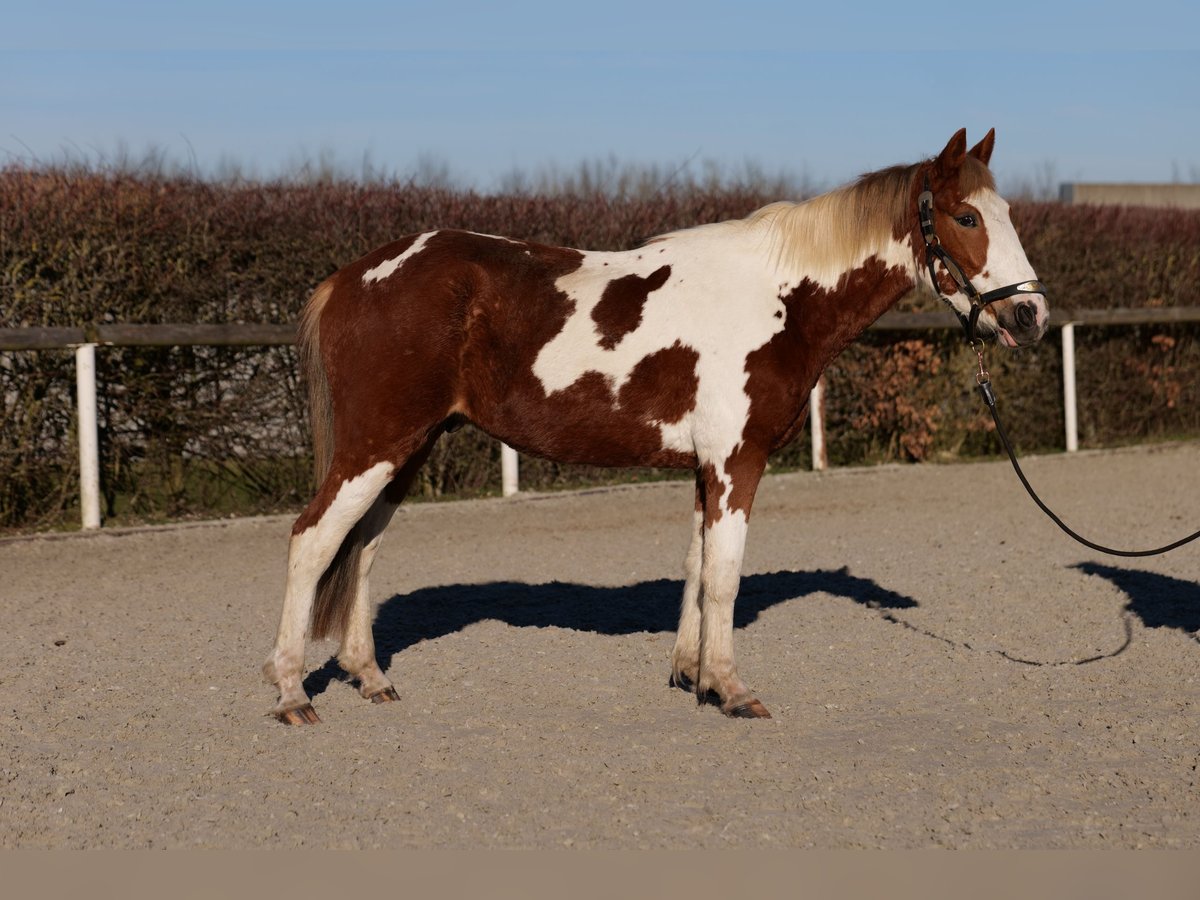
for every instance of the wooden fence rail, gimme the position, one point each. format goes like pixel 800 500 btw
pixel 85 340
pixel 262 335
pixel 232 335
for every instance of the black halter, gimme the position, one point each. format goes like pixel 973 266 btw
pixel 935 250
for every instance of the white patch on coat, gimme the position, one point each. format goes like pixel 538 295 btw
pixel 721 311
pixel 389 266
pixel 354 496
pixel 497 237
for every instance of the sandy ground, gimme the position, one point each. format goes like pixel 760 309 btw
pixel 944 667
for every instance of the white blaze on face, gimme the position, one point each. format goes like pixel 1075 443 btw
pixel 1006 260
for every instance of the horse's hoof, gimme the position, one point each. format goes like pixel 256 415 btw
pixel 301 715
pixel 751 709
pixel 386 695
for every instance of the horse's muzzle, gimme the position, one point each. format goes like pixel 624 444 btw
pixel 1021 322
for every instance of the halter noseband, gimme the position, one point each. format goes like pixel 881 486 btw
pixel 935 250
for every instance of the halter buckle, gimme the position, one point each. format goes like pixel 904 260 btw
pixel 983 376
pixel 925 216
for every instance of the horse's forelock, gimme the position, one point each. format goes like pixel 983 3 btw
pixel 975 176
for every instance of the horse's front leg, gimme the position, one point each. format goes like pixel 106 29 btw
pixel 725 527
pixel 685 657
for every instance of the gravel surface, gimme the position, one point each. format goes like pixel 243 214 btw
pixel 945 669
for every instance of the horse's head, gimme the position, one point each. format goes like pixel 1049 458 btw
pixel 965 224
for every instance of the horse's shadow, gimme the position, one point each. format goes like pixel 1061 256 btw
pixel 652 606
pixel 1160 601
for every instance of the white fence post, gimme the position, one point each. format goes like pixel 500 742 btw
pixel 509 483
pixel 89 442
pixel 816 424
pixel 1070 412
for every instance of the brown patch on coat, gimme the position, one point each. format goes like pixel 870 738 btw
pixel 620 308
pixel 662 386
pixel 818 325
pixel 496 305
pixel 390 350
pixel 744 467
pixel 713 488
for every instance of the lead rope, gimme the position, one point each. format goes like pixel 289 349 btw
pixel 984 381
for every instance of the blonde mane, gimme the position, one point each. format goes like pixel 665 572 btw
pixel 837 231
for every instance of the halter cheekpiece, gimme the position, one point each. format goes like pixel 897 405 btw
pixel 935 251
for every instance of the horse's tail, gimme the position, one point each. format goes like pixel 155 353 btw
pixel 336 587
pixel 320 409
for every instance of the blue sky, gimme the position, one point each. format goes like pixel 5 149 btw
pixel 1082 91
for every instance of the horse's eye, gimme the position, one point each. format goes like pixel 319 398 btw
pixel 967 221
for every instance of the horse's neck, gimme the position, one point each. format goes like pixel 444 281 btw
pixel 833 314
pixel 877 286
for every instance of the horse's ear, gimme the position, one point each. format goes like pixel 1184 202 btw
pixel 951 159
pixel 983 150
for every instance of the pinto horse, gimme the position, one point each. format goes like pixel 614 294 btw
pixel 697 350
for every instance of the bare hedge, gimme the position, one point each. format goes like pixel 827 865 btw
pixel 201 431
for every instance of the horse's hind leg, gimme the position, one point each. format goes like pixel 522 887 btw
pixel 357 652
pixel 317 536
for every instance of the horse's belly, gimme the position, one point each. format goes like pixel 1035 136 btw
pixel 591 423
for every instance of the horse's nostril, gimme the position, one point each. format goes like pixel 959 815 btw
pixel 1025 315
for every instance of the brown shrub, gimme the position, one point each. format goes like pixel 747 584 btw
pixel 204 431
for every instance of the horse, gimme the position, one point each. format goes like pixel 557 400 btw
pixel 696 350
